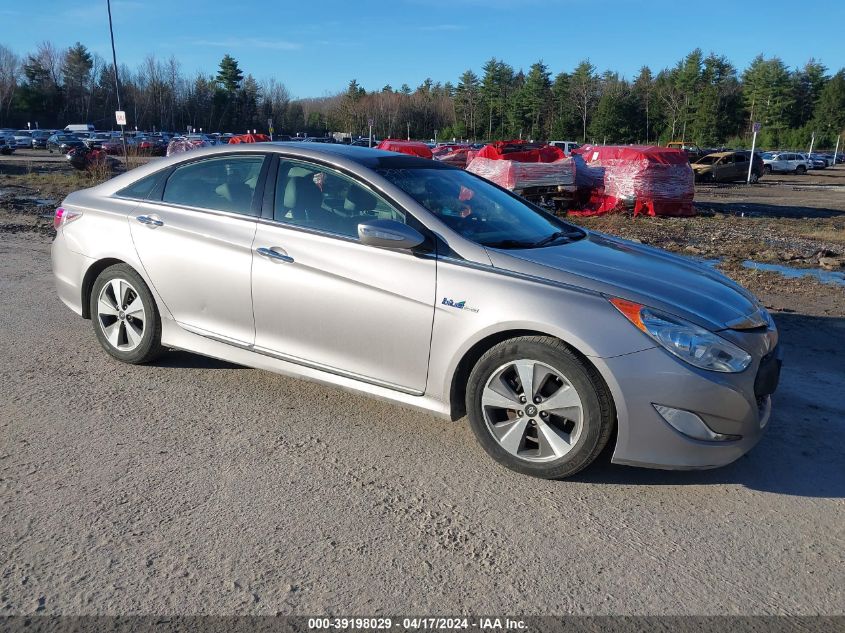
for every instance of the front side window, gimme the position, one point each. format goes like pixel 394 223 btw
pixel 220 184
pixel 322 199
pixel 478 210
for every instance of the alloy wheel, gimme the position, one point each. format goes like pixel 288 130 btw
pixel 532 410
pixel 121 315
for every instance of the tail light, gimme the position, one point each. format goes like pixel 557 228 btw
pixel 64 216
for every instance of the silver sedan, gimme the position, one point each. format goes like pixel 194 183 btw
pixel 428 286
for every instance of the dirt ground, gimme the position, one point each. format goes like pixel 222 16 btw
pixel 194 486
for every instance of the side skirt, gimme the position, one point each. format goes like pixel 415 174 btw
pixel 176 337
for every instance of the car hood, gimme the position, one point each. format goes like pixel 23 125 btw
pixel 639 273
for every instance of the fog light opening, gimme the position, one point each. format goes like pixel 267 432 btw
pixel 689 424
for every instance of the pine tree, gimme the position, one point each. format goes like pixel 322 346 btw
pixel 229 76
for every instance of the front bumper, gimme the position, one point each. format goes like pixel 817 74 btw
pixel 727 403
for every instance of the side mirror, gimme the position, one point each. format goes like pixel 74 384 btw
pixel 389 234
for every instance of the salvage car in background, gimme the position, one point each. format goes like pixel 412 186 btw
pixel 784 163
pixel 426 285
pixel 727 167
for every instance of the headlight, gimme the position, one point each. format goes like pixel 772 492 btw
pixel 692 344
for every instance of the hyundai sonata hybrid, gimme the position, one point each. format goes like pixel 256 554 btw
pixel 428 286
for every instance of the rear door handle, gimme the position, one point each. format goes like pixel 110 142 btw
pixel 145 219
pixel 274 254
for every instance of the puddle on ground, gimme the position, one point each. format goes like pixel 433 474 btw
pixel 824 276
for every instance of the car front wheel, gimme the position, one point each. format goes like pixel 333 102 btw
pixel 538 409
pixel 126 321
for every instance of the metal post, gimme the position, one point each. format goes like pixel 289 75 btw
pixel 751 157
pixel 836 151
pixel 409 130
pixel 117 83
pixel 370 142
pixel 812 141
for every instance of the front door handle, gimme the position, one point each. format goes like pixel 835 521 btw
pixel 145 219
pixel 274 254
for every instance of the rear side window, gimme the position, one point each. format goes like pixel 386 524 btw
pixel 220 184
pixel 141 189
pixel 741 158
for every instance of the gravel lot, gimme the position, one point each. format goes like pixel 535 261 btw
pixel 195 486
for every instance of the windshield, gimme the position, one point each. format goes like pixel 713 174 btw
pixel 707 160
pixel 479 211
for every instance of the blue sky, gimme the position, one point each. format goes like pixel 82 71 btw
pixel 316 47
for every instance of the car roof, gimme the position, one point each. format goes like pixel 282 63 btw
pixel 728 153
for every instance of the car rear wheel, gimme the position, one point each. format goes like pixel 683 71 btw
pixel 126 321
pixel 800 170
pixel 538 409
pixel 754 177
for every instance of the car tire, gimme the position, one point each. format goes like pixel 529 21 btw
pixel 754 177
pixel 767 170
pixel 800 170
pixel 129 327
pixel 554 437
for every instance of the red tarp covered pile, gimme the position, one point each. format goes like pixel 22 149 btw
pixel 452 154
pixel 656 180
pixel 413 148
pixel 517 166
pixel 521 151
pixel 249 138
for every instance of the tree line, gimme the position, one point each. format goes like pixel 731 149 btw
pixel 702 99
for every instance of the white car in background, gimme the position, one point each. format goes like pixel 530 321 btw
pixel 23 139
pixel 566 146
pixel 784 162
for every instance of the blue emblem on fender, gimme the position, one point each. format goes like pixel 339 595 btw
pixel 460 305
pixel 454 304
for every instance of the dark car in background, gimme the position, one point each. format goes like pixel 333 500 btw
pixel 96 139
pixel 727 167
pixel 39 139
pixel 63 143
pixel 818 161
pixel 147 145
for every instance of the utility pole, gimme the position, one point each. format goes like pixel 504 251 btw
pixel 756 128
pixel 836 151
pixel 812 141
pixel 117 82
pixel 409 130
